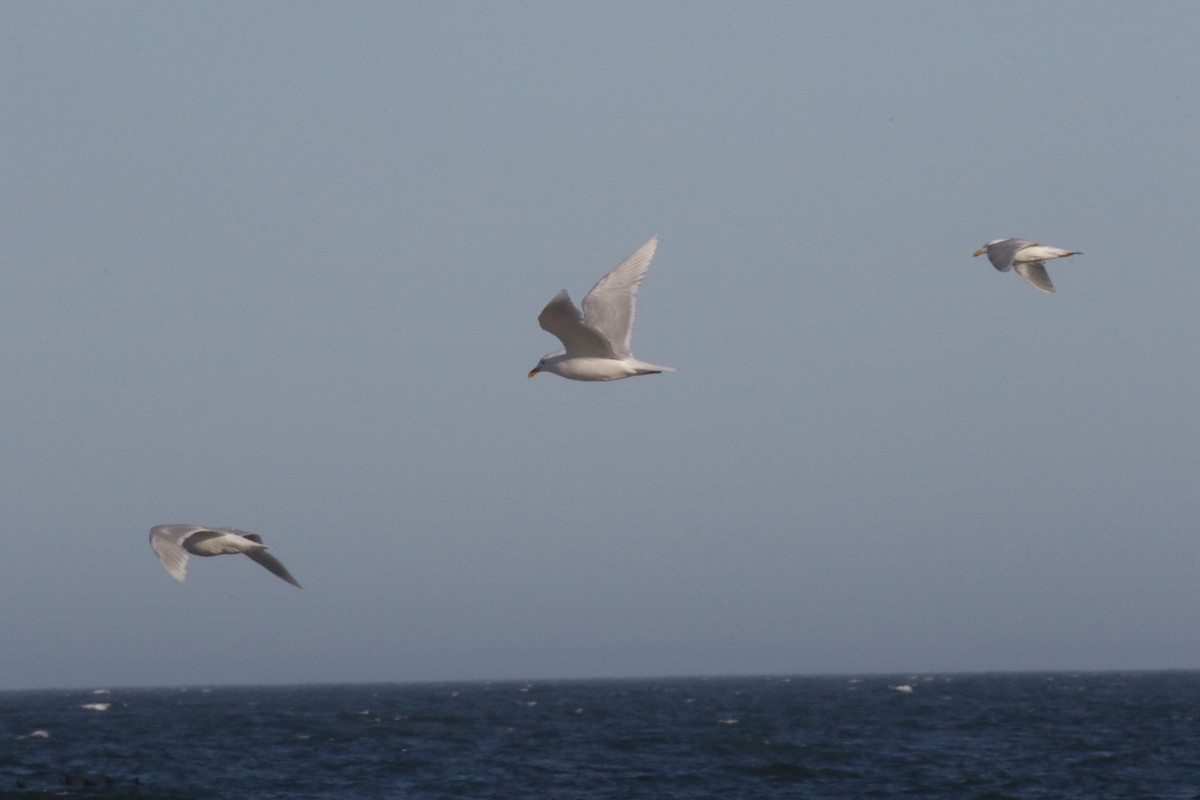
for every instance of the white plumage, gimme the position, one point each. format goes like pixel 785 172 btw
pixel 173 543
pixel 1026 257
pixel 596 341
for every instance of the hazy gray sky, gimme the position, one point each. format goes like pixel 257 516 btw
pixel 278 266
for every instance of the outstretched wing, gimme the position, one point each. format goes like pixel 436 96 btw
pixel 167 541
pixel 1035 273
pixel 611 305
pixel 273 564
pixel 561 318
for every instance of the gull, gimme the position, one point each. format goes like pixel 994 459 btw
pixel 1025 257
pixel 596 342
pixel 172 543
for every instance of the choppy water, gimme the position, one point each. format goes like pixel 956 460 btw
pixel 951 736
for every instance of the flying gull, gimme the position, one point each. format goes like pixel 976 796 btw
pixel 1027 258
pixel 596 342
pixel 172 543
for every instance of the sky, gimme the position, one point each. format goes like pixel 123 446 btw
pixel 278 266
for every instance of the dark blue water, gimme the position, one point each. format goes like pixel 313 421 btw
pixel 1101 735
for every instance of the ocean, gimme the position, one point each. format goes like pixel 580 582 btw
pixel 982 736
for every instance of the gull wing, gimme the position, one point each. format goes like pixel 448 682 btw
pixel 261 556
pixel 167 541
pixel 561 318
pixel 273 564
pixel 611 305
pixel 1035 273
pixel 1002 253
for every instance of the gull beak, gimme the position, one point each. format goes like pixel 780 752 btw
pixel 980 251
pixel 534 371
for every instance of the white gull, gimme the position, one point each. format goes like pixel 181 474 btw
pixel 596 342
pixel 173 543
pixel 1026 257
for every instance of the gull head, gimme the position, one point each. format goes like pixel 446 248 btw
pixel 984 249
pixel 549 363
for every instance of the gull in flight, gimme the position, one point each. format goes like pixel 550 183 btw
pixel 596 342
pixel 172 543
pixel 1027 258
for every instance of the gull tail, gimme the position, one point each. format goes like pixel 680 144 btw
pixel 642 368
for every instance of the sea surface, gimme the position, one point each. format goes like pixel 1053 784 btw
pixel 993 736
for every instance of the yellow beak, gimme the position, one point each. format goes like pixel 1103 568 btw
pixel 979 252
pixel 534 371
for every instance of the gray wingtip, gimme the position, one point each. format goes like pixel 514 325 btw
pixel 273 565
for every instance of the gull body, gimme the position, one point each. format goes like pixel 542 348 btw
pixel 173 543
pixel 1026 257
pixel 596 341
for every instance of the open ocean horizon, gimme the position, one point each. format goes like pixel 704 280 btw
pixel 987 736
